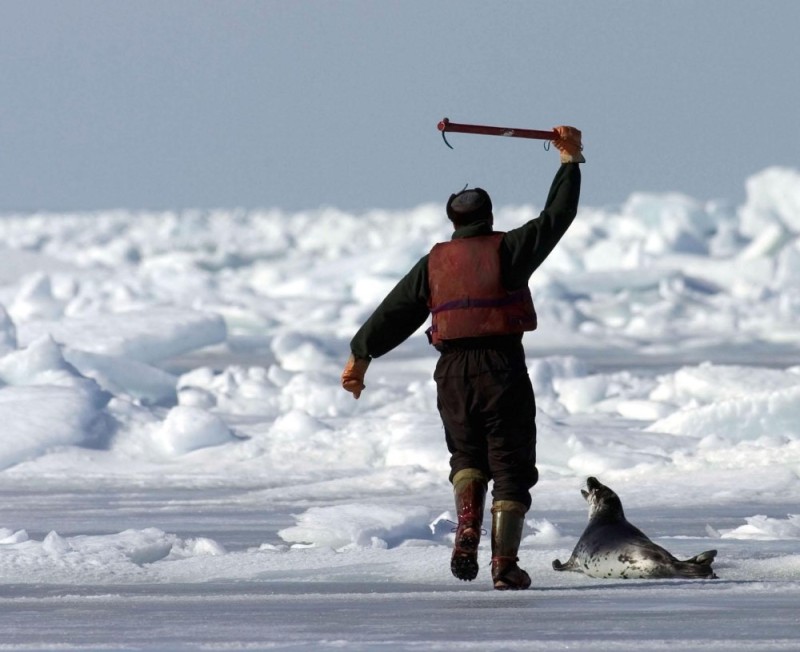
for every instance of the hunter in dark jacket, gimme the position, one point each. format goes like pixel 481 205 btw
pixel 475 287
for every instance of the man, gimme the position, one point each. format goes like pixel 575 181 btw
pixel 476 288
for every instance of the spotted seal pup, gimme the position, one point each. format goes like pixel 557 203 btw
pixel 610 547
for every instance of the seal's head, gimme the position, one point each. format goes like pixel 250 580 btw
pixel 602 500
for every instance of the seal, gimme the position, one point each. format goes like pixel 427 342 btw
pixel 610 547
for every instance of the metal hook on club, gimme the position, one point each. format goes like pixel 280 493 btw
pixel 443 128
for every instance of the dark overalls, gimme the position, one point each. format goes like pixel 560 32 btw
pixel 486 402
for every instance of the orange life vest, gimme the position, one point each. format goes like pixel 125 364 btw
pixel 467 297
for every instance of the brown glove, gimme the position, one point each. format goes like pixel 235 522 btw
pixel 353 375
pixel 569 144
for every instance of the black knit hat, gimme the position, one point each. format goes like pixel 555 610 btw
pixel 469 205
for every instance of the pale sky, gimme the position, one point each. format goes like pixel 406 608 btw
pixel 294 104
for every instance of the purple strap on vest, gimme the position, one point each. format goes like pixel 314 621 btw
pixel 456 304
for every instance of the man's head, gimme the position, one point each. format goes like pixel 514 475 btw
pixel 468 206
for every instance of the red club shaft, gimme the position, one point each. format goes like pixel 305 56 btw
pixel 446 126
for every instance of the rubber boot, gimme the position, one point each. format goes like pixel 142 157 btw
pixel 469 488
pixel 508 519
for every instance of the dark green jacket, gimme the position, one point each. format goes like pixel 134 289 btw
pixel 522 250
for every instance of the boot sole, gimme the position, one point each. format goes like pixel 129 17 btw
pixel 464 562
pixel 464 567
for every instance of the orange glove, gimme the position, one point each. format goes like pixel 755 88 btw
pixel 353 375
pixel 569 144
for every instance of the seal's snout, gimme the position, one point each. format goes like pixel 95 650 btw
pixel 591 485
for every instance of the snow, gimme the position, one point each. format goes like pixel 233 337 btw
pixel 177 450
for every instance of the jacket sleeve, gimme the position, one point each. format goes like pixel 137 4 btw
pixel 397 317
pixel 526 247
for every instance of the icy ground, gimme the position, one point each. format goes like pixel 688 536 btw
pixel 180 469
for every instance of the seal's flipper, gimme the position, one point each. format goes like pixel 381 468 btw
pixel 569 566
pixel 698 566
pixel 704 557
